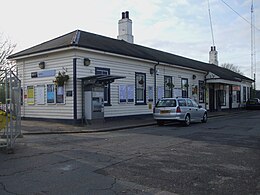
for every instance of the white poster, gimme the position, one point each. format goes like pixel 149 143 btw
pixel 160 92
pixel 40 96
pixel 150 93
pixel 177 92
pixel 130 93
pixel 122 93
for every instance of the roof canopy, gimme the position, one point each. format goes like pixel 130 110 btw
pixel 100 79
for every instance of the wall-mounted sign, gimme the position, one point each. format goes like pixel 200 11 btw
pixel 69 93
pixel 45 73
pixel 40 95
pixel 30 95
pixel 50 94
pixel 236 88
pixel 34 74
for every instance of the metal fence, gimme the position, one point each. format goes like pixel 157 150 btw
pixel 10 109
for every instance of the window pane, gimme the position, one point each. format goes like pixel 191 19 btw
pixel 167 86
pixel 166 103
pixel 185 87
pixel 140 87
pixel 182 102
pixel 60 94
pixel 189 103
pixel 201 91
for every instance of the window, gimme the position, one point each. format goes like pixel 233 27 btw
pixel 201 91
pixel 60 97
pixel 189 103
pixel 238 96
pixel 222 97
pixel 104 71
pixel 140 92
pixel 236 93
pixel 184 87
pixel 195 104
pixel 126 93
pixel 182 102
pixel 166 103
pixel 168 85
pixel 248 93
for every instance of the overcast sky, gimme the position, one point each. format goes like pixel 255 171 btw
pixel 181 27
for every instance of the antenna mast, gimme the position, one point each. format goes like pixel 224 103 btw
pixel 253 64
pixel 212 35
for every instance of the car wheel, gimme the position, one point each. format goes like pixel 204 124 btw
pixel 204 118
pixel 160 123
pixel 187 120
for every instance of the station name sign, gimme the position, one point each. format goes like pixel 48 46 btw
pixel 45 73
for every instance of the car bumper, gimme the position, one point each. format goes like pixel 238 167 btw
pixel 169 117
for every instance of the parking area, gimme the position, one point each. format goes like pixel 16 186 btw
pixel 219 157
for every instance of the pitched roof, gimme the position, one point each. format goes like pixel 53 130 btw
pixel 88 40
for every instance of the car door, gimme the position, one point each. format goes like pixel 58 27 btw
pixel 198 114
pixel 191 110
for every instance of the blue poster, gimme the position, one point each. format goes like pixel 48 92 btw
pixel 50 94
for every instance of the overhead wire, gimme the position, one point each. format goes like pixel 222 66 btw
pixel 239 15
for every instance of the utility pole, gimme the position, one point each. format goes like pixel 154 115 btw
pixel 253 65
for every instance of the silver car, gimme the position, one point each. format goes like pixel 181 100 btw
pixel 184 110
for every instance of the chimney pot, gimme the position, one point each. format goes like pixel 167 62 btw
pixel 123 15
pixel 127 14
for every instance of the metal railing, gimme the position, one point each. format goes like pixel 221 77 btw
pixel 10 109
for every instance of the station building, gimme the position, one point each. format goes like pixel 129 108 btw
pixel 81 76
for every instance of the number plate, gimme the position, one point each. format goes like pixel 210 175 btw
pixel 165 111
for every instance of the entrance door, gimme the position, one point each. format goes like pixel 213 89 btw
pixel 230 96
pixel 211 98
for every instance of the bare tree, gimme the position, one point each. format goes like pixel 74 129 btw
pixel 232 67
pixel 6 49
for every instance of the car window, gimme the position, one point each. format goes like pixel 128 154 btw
pixel 182 102
pixel 195 104
pixel 166 103
pixel 189 103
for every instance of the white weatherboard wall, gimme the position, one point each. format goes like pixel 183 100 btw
pixel 118 65
pixel 55 61
pixel 127 67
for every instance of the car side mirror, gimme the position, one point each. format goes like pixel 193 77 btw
pixel 200 106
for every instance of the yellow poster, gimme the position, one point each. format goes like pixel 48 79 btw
pixel 30 95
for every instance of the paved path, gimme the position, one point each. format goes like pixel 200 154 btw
pixel 111 124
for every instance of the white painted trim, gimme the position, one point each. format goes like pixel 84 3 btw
pixel 42 53
pixel 223 81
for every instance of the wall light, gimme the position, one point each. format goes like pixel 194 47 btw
pixel 42 65
pixel 86 61
pixel 151 71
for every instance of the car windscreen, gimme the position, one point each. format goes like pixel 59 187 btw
pixel 166 103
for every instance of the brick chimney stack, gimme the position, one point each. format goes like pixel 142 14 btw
pixel 125 28
pixel 213 55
